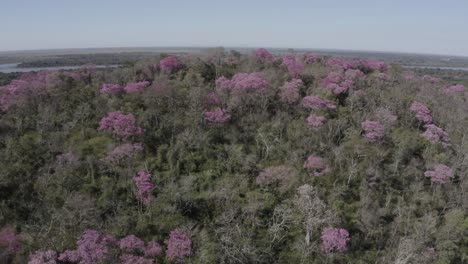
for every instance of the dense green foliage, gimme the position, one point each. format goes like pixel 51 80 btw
pixel 205 174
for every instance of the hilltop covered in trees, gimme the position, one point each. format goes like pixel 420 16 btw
pixel 228 158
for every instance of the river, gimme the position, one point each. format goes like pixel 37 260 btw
pixel 13 67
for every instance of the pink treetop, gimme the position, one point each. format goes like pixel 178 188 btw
pixel 339 63
pixel 375 65
pixel 422 113
pixel 242 82
pixel 153 249
pixel 121 125
pixel 43 257
pixel 178 245
pixel 310 58
pixel 136 86
pixel 290 91
pixel 131 259
pixel 317 103
pixel 123 152
pixel 294 66
pixel 454 89
pixel 315 121
pixel 263 54
pixel 335 240
pixel 70 256
pixel 170 64
pixel 132 243
pixel 441 174
pixel 218 116
pixel 373 130
pixel 316 166
pixel 93 247
pixel 10 242
pixel 109 88
pixel 435 135
pixel 354 74
pixel 144 186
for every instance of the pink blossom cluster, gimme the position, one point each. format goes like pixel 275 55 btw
pixel 110 88
pixel 316 121
pixel 290 91
pixel 310 58
pixel 375 64
pixel 440 174
pixel 132 243
pixel 454 89
pixel 294 66
pixel 212 99
pixel 121 125
pixel 337 83
pixel 435 135
pixel 263 54
pixel 242 82
pixel 218 116
pixel 10 242
pixel 339 63
pixel 316 166
pixel 367 65
pixel 27 86
pixel 179 246
pixel 144 186
pixel 132 259
pixel 422 113
pixel 43 257
pixel 317 103
pixel 335 240
pixel 170 64
pixel 373 130
pixel 123 152
pixel 274 174
pixel 232 60
pixel 136 86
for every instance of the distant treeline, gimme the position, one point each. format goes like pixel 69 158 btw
pixel 81 59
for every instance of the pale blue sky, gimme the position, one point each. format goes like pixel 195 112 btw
pixel 422 26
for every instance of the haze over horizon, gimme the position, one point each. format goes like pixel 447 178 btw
pixel 365 25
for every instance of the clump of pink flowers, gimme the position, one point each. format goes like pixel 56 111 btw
pixel 121 125
pixel 294 66
pixel 218 116
pixel 454 89
pixel 170 64
pixel 10 242
pixel 337 83
pixel 179 246
pixel 242 82
pixel 43 257
pixel 123 152
pixel 440 174
pixel 136 86
pixel 335 240
pixel 373 130
pixel 110 88
pixel 435 135
pixel 290 91
pixel 310 58
pixel 153 249
pixel 316 121
pixel 144 186
pixel 422 113
pixel 132 243
pixel 316 166
pixel 263 54
pixel 317 103
pixel 131 259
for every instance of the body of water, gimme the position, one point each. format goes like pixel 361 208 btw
pixel 13 67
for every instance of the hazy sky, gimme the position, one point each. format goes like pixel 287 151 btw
pixel 423 26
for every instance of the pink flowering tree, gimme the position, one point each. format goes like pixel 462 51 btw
pixel 316 166
pixel 242 89
pixel 263 54
pixel 132 259
pixel 43 257
pixel 317 103
pixel 144 187
pixel 10 242
pixel 121 125
pixel 316 121
pixel 110 88
pixel 179 246
pixel 170 64
pixel 454 89
pixel 136 86
pixel 440 174
pixel 337 83
pixel 334 240
pixel 131 244
pixel 422 113
pixel 218 116
pixel 290 91
pixel 436 135
pixel 294 66
pixel 310 58
pixel 153 249
pixel 373 130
